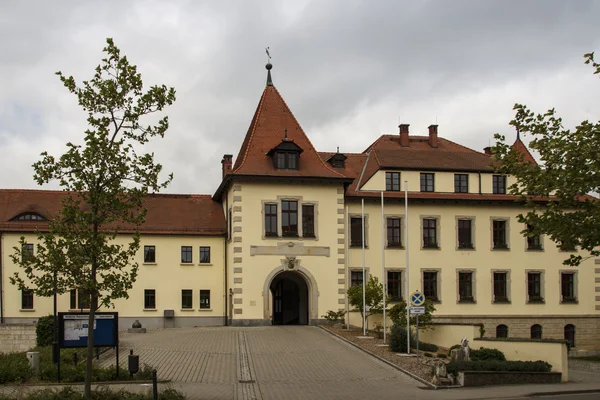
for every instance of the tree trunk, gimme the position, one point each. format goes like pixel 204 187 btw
pixel 90 346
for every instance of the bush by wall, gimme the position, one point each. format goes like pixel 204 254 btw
pixel 44 330
pixel 428 346
pixel 68 393
pixel 493 365
pixel 14 368
pixel 398 339
pixel 484 354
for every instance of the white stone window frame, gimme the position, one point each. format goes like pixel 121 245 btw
pixel 542 245
pixel 542 286
pixel 508 286
pixel 473 273
pixel 438 230
pixel 575 285
pixel 507 232
pixel 402 228
pixel 366 229
pixel 300 200
pixel 402 281
pixel 438 285
pixel 358 269
pixel 473 231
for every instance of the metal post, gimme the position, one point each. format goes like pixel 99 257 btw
pixel 364 272
pixel 383 275
pixel 347 270
pixel 417 335
pixel 55 344
pixel 407 285
pixel 154 386
pixel 117 358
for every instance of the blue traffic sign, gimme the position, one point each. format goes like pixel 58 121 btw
pixel 417 299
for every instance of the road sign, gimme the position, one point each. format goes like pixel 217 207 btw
pixel 417 299
pixel 417 310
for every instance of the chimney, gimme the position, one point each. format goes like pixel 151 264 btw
pixel 227 162
pixel 433 137
pixel 403 134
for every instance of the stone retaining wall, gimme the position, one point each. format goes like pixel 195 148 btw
pixel 484 378
pixel 15 338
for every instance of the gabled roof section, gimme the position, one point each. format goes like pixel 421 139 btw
pixel 267 130
pixel 519 146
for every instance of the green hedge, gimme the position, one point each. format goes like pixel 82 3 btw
pixel 398 339
pixel 44 330
pixel 68 393
pixel 14 368
pixel 428 346
pixel 493 365
pixel 484 354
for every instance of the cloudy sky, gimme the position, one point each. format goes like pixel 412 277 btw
pixel 349 70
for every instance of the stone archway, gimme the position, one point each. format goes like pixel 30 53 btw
pixel 302 296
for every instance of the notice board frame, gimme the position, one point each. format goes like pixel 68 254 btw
pixel 111 339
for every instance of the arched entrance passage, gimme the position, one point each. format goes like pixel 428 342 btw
pixel 289 292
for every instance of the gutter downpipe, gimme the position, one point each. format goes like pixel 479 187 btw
pixel 226 292
pixel 347 270
pixel 407 292
pixel 1 282
pixel 479 173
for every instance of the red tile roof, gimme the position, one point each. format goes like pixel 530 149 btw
pixel 267 130
pixel 519 146
pixel 167 213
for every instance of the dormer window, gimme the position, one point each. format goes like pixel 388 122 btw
pixel 286 155
pixel 29 217
pixel 338 160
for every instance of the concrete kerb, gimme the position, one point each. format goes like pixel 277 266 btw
pixel 423 381
pixel 562 392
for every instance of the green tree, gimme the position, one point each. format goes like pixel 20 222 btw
pixel 568 171
pixel 104 183
pixel 373 297
pixel 398 315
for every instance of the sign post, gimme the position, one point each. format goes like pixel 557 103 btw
pixel 417 299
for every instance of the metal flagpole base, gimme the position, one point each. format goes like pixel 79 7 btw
pixel 365 337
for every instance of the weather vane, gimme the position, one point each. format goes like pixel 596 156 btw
pixel 268 54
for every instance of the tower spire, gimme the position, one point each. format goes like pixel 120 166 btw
pixel 268 67
pixel 518 134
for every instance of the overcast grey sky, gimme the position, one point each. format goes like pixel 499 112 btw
pixel 349 70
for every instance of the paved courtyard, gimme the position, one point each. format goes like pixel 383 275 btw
pixel 298 362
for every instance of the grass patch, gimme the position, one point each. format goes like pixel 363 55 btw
pixel 68 393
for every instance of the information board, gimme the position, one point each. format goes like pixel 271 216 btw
pixel 74 329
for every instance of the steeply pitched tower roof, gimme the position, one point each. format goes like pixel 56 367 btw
pixel 267 130
pixel 519 146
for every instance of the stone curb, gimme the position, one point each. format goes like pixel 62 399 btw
pixel 429 384
pixel 561 392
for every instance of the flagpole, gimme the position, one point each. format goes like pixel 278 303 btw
pixel 407 285
pixel 383 277
pixel 364 274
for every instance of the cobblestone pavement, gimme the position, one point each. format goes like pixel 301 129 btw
pixel 584 365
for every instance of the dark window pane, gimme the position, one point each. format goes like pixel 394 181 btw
pixel 289 218
pixel 502 331
pixel 534 286
pixel 73 299
pixel 205 254
pixel 430 285
pixel 465 286
pixel 83 299
pixel 567 286
pixel 430 233
pixel 464 234
pixel 536 331
pixel 186 254
pixel 149 254
pixel 27 251
pixel 393 232
pixel 392 181
pixel 149 298
pixel 356 232
pixel 394 285
pixel 500 287
pixel 356 278
pixel 27 299
pixel 205 299
pixel 533 242
pixel 270 219
pixel 570 335
pixel 186 298
pixel 427 182
pixel 461 183
pixel 499 184
pixel 499 234
pixel 308 220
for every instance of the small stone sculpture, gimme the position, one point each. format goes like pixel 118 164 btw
pixel 464 344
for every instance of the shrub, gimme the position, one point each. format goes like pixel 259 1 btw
pixel 494 365
pixel 103 393
pixel 456 346
pixel 484 354
pixel 14 367
pixel 428 346
pixel 398 339
pixel 441 355
pixel 334 316
pixel 428 355
pixel 44 330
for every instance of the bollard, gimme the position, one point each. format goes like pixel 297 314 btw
pixel 154 386
pixel 34 361
pixel 133 364
pixel 97 353
pixel 75 359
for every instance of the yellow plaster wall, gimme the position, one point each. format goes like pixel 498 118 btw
pixel 483 260
pixel 256 268
pixel 167 276
pixel 449 335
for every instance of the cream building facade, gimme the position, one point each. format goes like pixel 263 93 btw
pixel 280 241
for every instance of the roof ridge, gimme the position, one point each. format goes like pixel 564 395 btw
pixel 253 126
pixel 464 147
pixel 372 145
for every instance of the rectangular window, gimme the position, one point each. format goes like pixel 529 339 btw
pixel 308 220
pixel 567 287
pixel 356 278
pixel 149 254
pixel 394 285
pixel 27 251
pixel 465 286
pixel 427 182
pixel 430 233
pixel 500 287
pixel 430 285
pixel 270 219
pixel 392 181
pixel 78 300
pixel 205 299
pixel 461 183
pixel 27 299
pixel 465 234
pixel 149 299
pixel 356 232
pixel 393 232
pixel 205 254
pixel 186 298
pixel 186 254
pixel 289 218
pixel 73 299
pixel 292 160
pixel 286 160
pixel 499 184
pixel 534 287
pixel 533 242
pixel 499 234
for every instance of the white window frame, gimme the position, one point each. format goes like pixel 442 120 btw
pixel 402 238
pixel 439 282
pixel 508 286
pixel 542 285
pixel 300 200
pixel 438 230
pixel 575 285
pixel 366 229
pixel 402 281
pixel 473 273
pixel 473 236
pixel 507 233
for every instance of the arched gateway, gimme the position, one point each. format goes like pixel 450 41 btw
pixel 290 297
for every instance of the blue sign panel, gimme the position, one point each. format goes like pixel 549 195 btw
pixel 74 329
pixel 417 299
